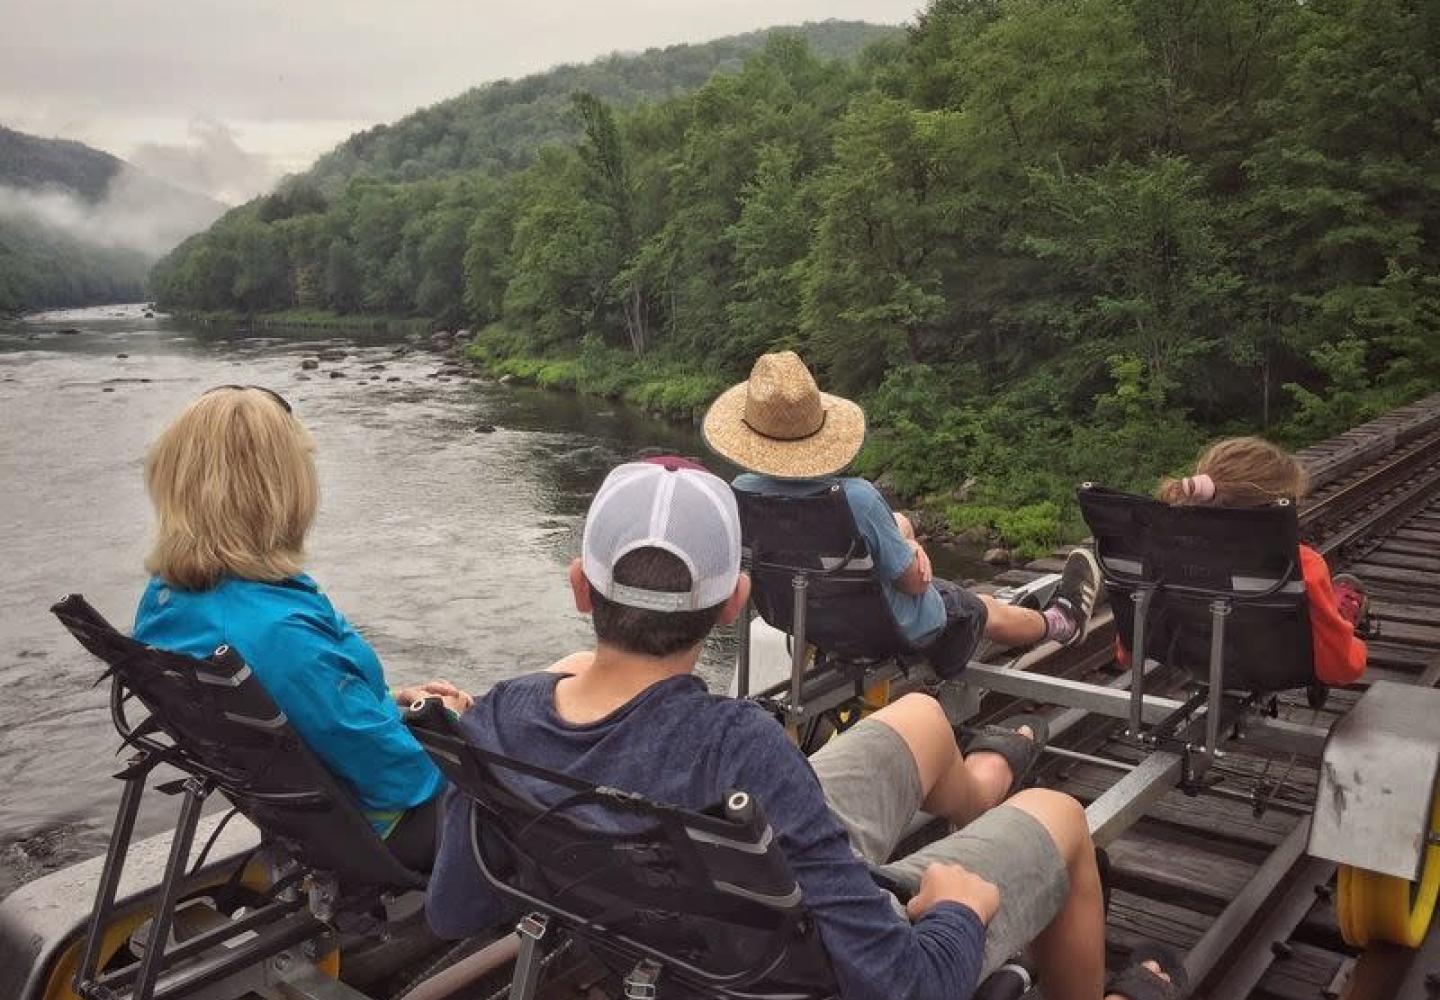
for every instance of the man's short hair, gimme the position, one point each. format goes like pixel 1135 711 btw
pixel 651 633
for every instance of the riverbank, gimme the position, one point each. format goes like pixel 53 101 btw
pixel 307 319
pixel 669 389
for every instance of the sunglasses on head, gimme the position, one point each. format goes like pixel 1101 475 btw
pixel 284 405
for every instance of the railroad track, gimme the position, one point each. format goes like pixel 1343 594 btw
pixel 1213 875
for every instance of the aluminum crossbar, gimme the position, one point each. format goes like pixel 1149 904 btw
pixel 1132 796
pixel 1272 734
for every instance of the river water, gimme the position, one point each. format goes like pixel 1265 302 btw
pixel 446 545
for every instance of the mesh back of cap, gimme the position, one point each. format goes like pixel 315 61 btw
pixel 685 512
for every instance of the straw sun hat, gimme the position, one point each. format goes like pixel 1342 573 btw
pixel 780 424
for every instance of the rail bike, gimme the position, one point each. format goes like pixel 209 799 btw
pixel 291 894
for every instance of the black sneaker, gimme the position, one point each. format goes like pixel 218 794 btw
pixel 1079 586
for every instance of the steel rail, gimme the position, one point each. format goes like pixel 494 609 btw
pixel 1360 492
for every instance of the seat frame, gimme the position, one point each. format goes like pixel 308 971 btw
pixel 303 901
pixel 1144 577
pixel 737 826
pixel 840 559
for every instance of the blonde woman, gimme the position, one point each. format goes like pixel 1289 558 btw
pixel 234 487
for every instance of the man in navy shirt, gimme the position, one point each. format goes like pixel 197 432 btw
pixel 660 567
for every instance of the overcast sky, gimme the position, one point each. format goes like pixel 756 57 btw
pixel 226 95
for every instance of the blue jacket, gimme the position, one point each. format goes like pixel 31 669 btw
pixel 316 667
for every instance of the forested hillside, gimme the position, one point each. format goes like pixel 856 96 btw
pixel 29 162
pixel 79 226
pixel 497 128
pixel 1044 242
pixel 42 267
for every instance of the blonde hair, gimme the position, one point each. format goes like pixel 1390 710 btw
pixel 234 487
pixel 1247 472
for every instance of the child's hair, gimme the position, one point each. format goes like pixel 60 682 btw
pixel 1243 472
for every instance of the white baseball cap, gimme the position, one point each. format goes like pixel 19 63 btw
pixel 672 505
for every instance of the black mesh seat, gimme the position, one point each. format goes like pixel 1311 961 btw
pixel 219 724
pixel 1189 558
pixel 703 900
pixel 814 538
pixel 813 578
pixel 212 720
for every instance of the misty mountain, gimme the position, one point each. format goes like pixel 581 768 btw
pixel 78 225
pixel 96 197
pixel 497 128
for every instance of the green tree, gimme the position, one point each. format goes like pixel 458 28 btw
pixel 342 278
pixel 609 185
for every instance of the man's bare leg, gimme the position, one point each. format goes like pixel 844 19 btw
pixel 1070 952
pixel 954 786
pixel 1009 625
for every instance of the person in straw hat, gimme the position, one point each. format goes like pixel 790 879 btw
pixel 795 440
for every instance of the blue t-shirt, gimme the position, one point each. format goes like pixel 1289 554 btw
pixel 318 670
pixel 677 743
pixel 920 617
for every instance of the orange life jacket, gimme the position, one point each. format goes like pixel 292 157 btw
pixel 1340 655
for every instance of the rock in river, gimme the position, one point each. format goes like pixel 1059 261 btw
pixel 337 373
pixel 309 364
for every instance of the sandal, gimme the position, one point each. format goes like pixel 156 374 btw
pixel 1020 752
pixel 1139 983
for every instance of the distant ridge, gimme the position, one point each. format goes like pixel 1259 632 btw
pixel 498 127
pixel 33 163
pixel 79 226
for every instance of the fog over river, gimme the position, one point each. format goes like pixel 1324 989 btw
pixel 445 544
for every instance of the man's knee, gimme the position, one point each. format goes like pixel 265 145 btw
pixel 916 711
pixel 1063 818
pixel 921 722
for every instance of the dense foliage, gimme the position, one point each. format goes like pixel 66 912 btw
pixel 1044 240
pixel 41 268
pixel 499 127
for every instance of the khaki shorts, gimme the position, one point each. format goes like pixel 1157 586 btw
pixel 872 786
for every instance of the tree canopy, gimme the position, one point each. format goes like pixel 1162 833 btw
pixel 1044 241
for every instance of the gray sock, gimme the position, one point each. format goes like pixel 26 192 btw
pixel 1060 624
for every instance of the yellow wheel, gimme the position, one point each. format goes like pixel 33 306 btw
pixel 1374 907
pixel 330 964
pixel 59 984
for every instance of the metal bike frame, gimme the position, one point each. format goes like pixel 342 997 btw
pixel 257 964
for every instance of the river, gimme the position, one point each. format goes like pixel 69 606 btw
pixel 444 541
